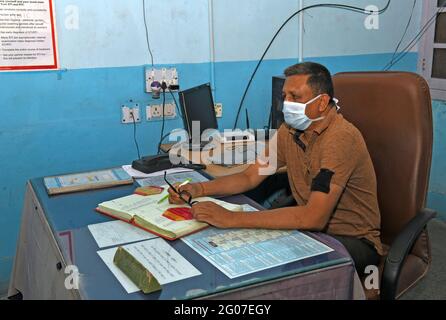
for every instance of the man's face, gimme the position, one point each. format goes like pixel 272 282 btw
pixel 296 89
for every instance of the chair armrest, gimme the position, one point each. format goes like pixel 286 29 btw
pixel 399 251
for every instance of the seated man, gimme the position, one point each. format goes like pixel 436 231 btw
pixel 330 172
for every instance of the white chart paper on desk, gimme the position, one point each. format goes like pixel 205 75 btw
pixel 141 175
pixel 244 251
pixel 117 232
pixel 157 256
pixel 172 178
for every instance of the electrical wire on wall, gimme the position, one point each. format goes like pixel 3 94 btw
pixel 151 60
pixel 164 118
pixel 164 85
pixel 416 39
pixel 405 31
pixel 147 32
pixel 134 135
pixel 323 5
pixel 176 104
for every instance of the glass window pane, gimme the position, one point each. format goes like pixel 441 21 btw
pixel 439 64
pixel 440 29
pixel 441 2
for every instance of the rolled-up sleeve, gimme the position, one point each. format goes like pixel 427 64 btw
pixel 339 155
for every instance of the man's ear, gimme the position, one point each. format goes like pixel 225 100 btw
pixel 324 103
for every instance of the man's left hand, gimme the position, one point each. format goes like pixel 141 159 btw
pixel 213 214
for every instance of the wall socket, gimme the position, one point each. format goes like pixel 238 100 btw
pixel 127 111
pixel 168 75
pixel 155 112
pixel 218 110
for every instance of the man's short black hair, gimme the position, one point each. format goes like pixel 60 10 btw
pixel 320 78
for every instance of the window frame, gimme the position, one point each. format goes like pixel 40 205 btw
pixel 425 64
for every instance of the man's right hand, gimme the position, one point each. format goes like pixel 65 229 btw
pixel 194 189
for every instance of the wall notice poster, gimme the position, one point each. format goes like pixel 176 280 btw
pixel 27 35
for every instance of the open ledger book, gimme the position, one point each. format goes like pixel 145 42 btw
pixel 165 220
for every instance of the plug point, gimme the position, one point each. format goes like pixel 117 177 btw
pixel 130 114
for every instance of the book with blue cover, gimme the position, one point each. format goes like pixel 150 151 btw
pixel 87 181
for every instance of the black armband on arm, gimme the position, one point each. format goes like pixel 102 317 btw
pixel 322 181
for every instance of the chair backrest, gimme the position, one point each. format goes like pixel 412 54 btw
pixel 393 111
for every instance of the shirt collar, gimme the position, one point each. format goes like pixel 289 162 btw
pixel 325 123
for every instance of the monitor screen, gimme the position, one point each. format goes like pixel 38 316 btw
pixel 197 104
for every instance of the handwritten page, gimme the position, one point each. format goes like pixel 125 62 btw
pixel 117 232
pixel 157 256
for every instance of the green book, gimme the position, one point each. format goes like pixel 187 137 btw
pixel 135 271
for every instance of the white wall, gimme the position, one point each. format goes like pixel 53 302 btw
pixel 111 32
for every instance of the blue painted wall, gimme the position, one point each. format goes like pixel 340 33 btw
pixel 69 120
pixel 437 188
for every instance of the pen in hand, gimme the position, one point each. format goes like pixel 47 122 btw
pixel 167 195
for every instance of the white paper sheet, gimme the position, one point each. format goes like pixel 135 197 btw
pixel 157 256
pixel 179 177
pixel 139 175
pixel 117 232
pixel 238 252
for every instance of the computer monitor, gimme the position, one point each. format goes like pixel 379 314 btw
pixel 197 104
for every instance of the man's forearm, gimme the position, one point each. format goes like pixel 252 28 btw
pixel 290 218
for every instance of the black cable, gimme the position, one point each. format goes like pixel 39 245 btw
pixel 323 5
pixel 414 41
pixel 147 31
pixel 176 104
pixel 162 128
pixel 411 44
pixel 407 51
pixel 164 122
pixel 405 31
pixel 163 138
pixel 134 135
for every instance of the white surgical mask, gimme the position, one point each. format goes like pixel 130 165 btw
pixel 336 101
pixel 295 116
